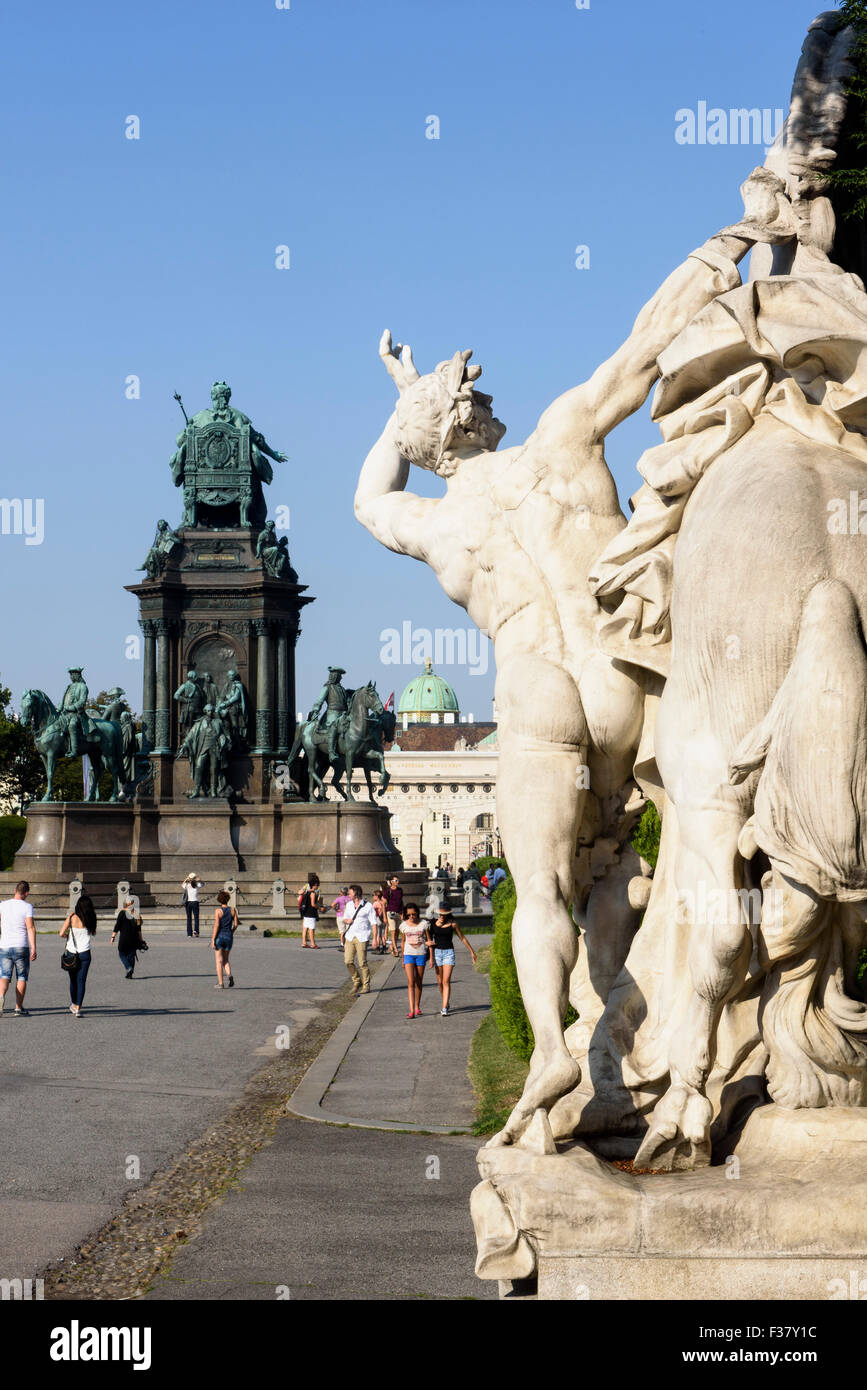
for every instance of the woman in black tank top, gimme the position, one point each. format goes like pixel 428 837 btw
pixel 441 936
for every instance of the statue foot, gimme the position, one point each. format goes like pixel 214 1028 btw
pixel 544 1086
pixel 679 1134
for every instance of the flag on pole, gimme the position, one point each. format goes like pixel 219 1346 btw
pixel 389 702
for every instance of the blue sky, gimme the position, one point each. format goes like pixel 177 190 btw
pixel 306 127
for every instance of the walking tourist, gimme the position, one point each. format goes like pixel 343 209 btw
pixel 339 906
pixel 440 936
pixel 190 886
pixel 381 927
pixel 127 930
pixel 415 955
pixel 394 911
pixel 460 878
pixel 360 919
pixel 222 937
pixel 17 945
pixel 309 904
pixel 497 876
pixel 79 928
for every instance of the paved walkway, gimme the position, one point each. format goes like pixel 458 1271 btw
pixel 331 1212
pixel 152 1062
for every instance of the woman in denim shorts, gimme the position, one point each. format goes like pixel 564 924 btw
pixel 415 954
pixel 442 946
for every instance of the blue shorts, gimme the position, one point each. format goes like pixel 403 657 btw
pixel 415 960
pixel 223 943
pixel 446 957
pixel 17 956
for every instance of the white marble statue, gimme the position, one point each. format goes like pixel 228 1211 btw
pixel 513 540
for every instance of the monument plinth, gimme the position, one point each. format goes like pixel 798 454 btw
pixel 212 609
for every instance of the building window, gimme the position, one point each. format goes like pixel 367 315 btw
pixel 437 788
pixel 447 839
pixel 421 788
pixel 454 788
pixel 471 788
pixel 487 789
pixel 447 823
pixel 404 786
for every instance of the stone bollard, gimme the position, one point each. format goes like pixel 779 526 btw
pixel 278 898
pixel 231 887
pixel 123 893
pixel 434 904
pixel 76 888
pixel 472 897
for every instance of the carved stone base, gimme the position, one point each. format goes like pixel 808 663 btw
pixel 785 1217
pixel 156 844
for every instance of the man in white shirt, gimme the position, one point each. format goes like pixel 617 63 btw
pixel 17 945
pixel 359 918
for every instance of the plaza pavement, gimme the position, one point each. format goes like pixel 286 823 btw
pixel 339 1211
pixel 152 1062
pixel 323 1211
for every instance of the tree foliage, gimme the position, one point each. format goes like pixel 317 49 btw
pixel 848 179
pixel 21 773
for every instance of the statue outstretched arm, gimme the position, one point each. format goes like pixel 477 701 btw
pixel 621 384
pixel 398 519
pixel 262 444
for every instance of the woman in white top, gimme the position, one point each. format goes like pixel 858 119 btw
pixel 80 929
pixel 191 885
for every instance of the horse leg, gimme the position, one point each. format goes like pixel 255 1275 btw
pixel 708 878
pixel 49 762
pixel 95 774
pixel 348 762
pixel 369 780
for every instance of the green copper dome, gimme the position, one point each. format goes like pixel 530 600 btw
pixel 425 695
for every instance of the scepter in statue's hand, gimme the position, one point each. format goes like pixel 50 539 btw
pixel 181 404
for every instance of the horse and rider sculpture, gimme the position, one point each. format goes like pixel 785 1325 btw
pixel 349 735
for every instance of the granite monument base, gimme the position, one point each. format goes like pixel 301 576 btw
pixel 783 1217
pixel 154 845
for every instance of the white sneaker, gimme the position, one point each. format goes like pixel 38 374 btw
pixel 444 1012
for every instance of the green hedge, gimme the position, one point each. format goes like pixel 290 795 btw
pixel 645 841
pixel 506 1002
pixel 488 861
pixel 12 829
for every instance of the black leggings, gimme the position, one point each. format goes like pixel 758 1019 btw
pixel 78 978
pixel 192 915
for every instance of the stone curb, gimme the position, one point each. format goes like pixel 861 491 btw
pixel 306 1099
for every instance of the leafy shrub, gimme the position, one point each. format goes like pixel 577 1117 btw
pixel 645 841
pixel 506 1002
pixel 488 861
pixel 12 830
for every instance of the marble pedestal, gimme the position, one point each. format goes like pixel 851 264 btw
pixel 784 1217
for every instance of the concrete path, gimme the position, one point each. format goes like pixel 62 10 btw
pixel 382 1070
pixel 126 1088
pixel 355 1212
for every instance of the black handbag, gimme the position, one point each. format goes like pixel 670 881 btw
pixel 70 960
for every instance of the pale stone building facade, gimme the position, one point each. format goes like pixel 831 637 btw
pixel 443 769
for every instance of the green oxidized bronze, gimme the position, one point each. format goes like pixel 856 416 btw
pixel 221 463
pixel 70 732
pixel 165 542
pixel 348 734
